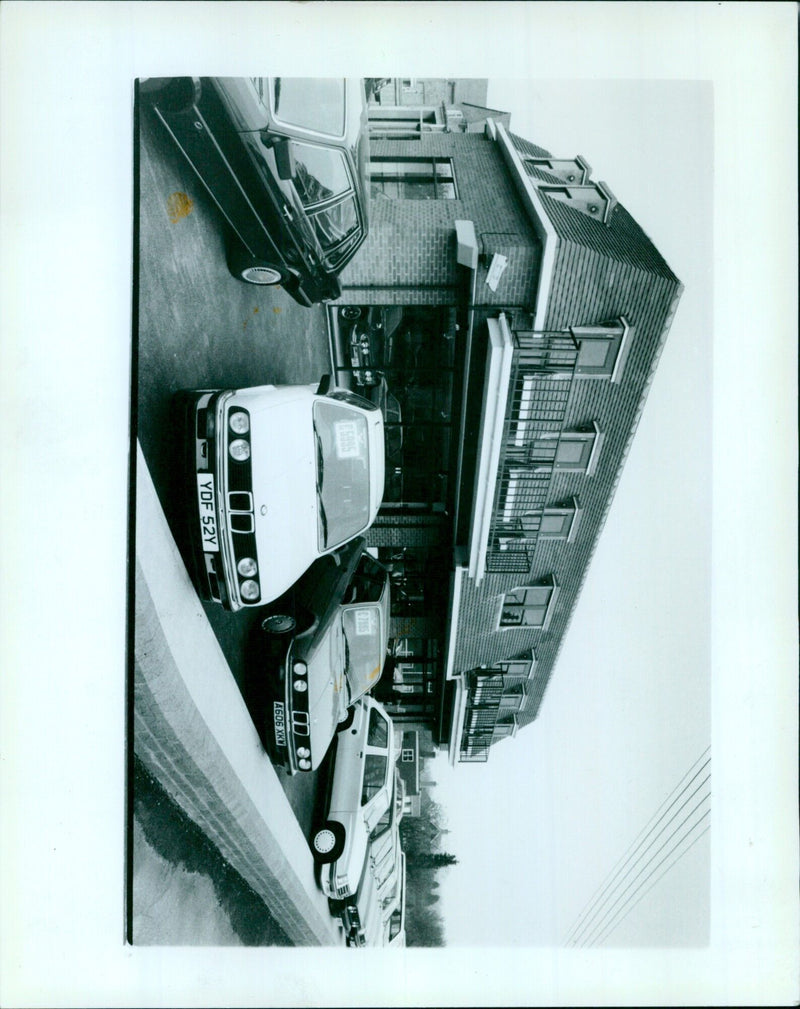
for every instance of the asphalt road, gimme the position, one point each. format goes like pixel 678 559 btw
pixel 199 327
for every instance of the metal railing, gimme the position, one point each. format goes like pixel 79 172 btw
pixel 486 718
pixel 541 380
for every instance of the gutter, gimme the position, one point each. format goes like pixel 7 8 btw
pixel 538 215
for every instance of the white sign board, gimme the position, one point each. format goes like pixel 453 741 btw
pixel 496 267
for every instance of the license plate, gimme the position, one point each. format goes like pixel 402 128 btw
pixel 206 502
pixel 279 721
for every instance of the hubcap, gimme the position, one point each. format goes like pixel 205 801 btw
pixel 261 275
pixel 324 841
pixel 278 623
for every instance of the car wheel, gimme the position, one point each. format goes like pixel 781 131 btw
pixel 252 271
pixel 278 623
pixel 347 720
pixel 328 842
pixel 350 312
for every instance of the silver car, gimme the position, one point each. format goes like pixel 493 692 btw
pixel 363 795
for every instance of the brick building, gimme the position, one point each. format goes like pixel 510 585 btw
pixel 528 313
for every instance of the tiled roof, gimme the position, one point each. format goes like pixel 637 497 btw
pixel 526 147
pixel 601 272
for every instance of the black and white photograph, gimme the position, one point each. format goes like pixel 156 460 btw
pixel 420 581
pixel 402 350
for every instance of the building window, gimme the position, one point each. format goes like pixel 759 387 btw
pixel 603 350
pixel 595 200
pixel 557 522
pixel 568 451
pixel 408 756
pixel 575 171
pixel 529 605
pixel 412 179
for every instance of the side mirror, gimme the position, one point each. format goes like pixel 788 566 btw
pixel 284 159
pixel 325 385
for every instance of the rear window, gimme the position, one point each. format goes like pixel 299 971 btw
pixel 312 103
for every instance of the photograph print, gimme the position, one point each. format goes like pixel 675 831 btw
pixel 421 513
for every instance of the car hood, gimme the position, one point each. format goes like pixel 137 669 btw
pixel 284 493
pixel 327 689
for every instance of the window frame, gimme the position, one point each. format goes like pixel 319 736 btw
pixel 617 335
pixel 569 510
pixel 594 437
pixel 549 582
pixel 578 197
pixel 435 177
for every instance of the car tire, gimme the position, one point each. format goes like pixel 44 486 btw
pixel 251 270
pixel 350 312
pixel 327 844
pixel 347 721
pixel 278 623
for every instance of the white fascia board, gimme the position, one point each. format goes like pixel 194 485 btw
pixel 459 713
pixel 538 215
pixel 493 415
pixel 455 610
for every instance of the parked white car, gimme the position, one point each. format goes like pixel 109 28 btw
pixel 279 476
pixel 362 801
pixel 375 915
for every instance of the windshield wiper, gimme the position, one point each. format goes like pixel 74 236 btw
pixel 323 518
pixel 346 654
pixel 320 460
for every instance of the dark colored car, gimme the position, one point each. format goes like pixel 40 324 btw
pixel 316 650
pixel 286 160
pixel 369 334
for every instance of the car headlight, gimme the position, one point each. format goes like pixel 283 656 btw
pixel 239 422
pixel 304 764
pixel 249 590
pixel 303 752
pixel 239 450
pixel 299 668
pixel 301 686
pixel 247 567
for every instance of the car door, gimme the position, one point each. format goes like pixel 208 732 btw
pixel 376 769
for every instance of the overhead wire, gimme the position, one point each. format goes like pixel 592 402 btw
pixel 604 891
pixel 612 926
pixel 598 927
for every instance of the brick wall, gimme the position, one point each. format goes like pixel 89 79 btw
pixel 409 255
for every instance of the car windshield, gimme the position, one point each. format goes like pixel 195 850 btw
pixel 312 103
pixel 388 817
pixel 366 646
pixel 320 173
pixel 342 472
pixel 334 224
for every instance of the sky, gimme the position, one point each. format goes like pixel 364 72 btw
pixel 539 827
pixel 66 174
